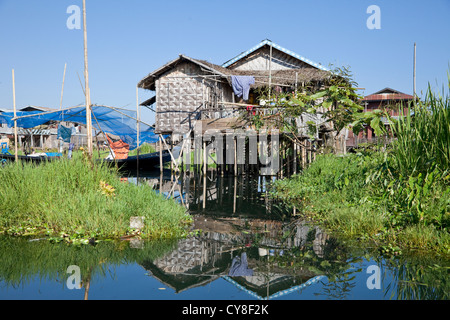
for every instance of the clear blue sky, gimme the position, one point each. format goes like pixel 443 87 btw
pixel 129 39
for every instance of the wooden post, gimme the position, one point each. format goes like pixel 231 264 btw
pixel 304 155
pixel 15 120
pixel 281 154
pixel 204 191
pixel 295 158
pixel 87 92
pixel 270 71
pixel 205 158
pixel 309 152
pixel 171 150
pixel 160 155
pixel 138 128
pixel 235 156
pixel 234 194
pixel 414 72
pixel 288 159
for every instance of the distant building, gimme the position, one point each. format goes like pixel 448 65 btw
pixel 386 99
pixel 43 136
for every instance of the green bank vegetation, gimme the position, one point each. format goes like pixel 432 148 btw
pixel 396 196
pixel 75 200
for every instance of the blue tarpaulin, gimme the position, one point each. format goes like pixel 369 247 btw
pixel 116 121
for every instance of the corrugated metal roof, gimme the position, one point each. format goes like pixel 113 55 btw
pixel 278 47
pixel 394 96
pixel 43 132
pixel 388 94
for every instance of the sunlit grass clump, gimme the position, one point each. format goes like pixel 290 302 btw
pixel 75 197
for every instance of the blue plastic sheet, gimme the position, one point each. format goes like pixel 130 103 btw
pixel 120 122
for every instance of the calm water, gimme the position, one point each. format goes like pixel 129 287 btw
pixel 248 248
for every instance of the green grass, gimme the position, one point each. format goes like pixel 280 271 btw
pixel 67 197
pixel 342 195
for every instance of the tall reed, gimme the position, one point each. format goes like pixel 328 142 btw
pixel 423 136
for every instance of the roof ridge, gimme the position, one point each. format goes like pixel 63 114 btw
pixel 278 47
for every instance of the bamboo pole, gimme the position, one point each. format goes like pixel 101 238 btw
pixel 160 155
pixel 42 113
pixel 62 89
pixel 86 80
pixel 234 194
pixel 205 159
pixel 295 158
pixel 414 72
pixel 101 130
pixel 204 191
pixel 126 115
pixel 61 143
pixel 138 128
pixel 15 121
pixel 270 71
pixel 235 156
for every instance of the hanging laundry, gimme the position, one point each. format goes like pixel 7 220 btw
pixel 239 266
pixel 241 85
pixel 74 130
pixel 119 148
pixel 64 133
pixel 71 146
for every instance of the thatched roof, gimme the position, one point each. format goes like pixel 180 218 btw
pixel 286 77
pixel 279 77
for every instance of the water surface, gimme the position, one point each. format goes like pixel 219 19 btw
pixel 246 247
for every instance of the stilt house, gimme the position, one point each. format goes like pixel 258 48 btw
pixel 188 90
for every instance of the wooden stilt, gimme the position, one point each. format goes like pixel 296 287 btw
pixel 234 194
pixel 304 155
pixel 235 156
pixel 282 153
pixel 309 152
pixel 205 159
pixel 204 191
pixel 160 155
pixel 295 158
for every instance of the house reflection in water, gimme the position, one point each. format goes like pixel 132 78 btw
pixel 235 216
pixel 208 256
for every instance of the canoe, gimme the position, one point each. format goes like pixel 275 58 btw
pixel 5 158
pixel 147 161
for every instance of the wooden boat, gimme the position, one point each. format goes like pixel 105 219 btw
pixel 147 161
pixel 38 158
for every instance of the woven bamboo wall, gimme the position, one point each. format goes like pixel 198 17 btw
pixel 183 93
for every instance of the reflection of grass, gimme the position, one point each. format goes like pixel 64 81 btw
pixel 67 197
pixel 143 149
pixel 21 261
